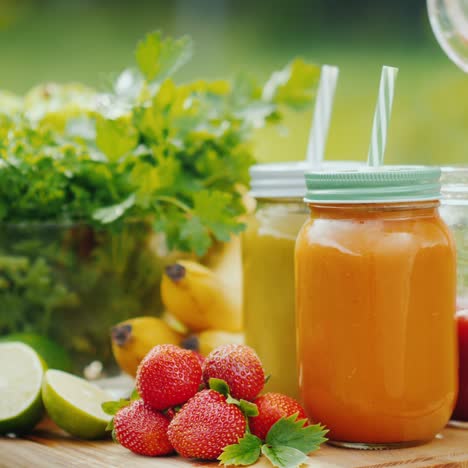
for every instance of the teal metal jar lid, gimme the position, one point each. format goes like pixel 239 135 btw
pixel 285 180
pixel 385 184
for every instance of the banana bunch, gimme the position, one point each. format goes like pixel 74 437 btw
pixel 208 340
pixel 206 297
pixel 134 338
pixel 204 305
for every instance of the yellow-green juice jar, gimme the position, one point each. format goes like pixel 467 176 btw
pixel 268 265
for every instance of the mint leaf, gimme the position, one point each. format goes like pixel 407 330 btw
pixel 112 407
pixel 290 432
pixel 248 408
pixel 245 452
pixel 219 385
pixel 111 213
pixel 115 137
pixel 284 457
pixel 294 86
pixel 159 58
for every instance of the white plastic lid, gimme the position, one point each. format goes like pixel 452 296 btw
pixel 286 179
pixel 449 21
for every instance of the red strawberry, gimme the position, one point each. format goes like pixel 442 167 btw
pixel 271 407
pixel 142 430
pixel 200 357
pixel 205 425
pixel 168 376
pixel 239 366
pixel 170 413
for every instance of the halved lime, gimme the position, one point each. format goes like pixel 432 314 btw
pixel 55 356
pixel 21 374
pixel 74 404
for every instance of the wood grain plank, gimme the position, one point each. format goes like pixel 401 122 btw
pixel 49 447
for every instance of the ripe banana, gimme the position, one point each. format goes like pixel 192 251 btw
pixel 208 340
pixel 201 298
pixel 134 338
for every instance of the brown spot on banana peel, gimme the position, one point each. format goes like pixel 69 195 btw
pixel 175 272
pixel 191 342
pixel 121 334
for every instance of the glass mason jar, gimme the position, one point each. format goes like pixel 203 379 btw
pixel 71 283
pixel 268 266
pixel 454 210
pixel 376 290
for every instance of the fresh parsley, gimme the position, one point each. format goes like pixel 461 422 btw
pixel 149 148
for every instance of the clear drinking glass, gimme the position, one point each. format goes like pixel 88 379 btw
pixel 449 21
pixel 71 283
pixel 454 210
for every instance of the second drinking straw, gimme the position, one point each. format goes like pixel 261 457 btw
pixel 322 113
pixel 382 114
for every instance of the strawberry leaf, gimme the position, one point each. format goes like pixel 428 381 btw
pixel 220 386
pixel 110 425
pixel 135 395
pixel 232 400
pixel 284 457
pixel 249 409
pixel 245 452
pixel 290 432
pixel 111 407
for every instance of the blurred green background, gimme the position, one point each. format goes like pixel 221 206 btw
pixel 91 40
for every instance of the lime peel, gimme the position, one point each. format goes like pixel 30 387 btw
pixel 21 374
pixel 74 404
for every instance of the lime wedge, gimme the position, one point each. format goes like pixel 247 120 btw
pixel 21 373
pixel 54 355
pixel 74 404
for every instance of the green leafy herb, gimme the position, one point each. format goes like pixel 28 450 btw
pixel 295 85
pixel 160 58
pixel 176 155
pixel 245 452
pixel 111 213
pixel 115 137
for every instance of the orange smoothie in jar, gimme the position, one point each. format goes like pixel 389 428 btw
pixel 375 298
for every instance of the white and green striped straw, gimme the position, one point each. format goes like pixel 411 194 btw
pixel 322 113
pixel 382 114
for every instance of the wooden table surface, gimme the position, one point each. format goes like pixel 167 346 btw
pixel 48 447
